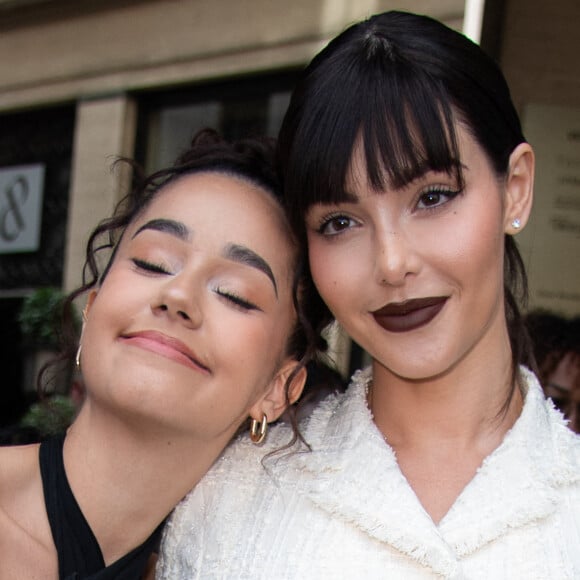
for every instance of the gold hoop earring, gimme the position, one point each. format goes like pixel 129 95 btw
pixel 258 430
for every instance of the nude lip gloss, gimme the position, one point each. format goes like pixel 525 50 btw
pixel 166 346
pixel 409 315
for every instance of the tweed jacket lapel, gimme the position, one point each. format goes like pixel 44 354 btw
pixel 353 475
pixel 519 480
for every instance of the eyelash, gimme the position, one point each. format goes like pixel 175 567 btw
pixel 236 299
pixel 438 191
pixel 230 296
pixel 327 220
pixel 150 266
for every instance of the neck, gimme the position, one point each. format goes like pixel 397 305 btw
pixel 463 407
pixel 126 479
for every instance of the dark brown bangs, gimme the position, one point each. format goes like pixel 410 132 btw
pixel 408 129
pixel 403 116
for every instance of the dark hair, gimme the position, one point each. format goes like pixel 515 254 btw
pixel 556 337
pixel 549 335
pixel 399 82
pixel 248 159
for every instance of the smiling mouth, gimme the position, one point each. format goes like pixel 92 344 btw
pixel 409 315
pixel 165 346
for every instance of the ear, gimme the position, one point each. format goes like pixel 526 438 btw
pixel 519 188
pixel 90 299
pixel 274 401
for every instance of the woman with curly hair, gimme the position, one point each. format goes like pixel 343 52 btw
pixel 194 328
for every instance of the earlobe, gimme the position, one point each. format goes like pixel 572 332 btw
pixel 275 402
pixel 519 190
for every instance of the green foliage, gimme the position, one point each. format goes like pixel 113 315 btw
pixel 50 416
pixel 39 317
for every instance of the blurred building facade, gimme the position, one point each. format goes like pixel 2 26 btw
pixel 85 81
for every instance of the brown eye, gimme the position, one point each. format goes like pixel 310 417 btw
pixel 436 197
pixel 431 198
pixel 336 224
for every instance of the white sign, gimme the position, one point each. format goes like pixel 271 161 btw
pixel 21 189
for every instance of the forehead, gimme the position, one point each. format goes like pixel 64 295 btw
pixel 220 209
pixel 199 196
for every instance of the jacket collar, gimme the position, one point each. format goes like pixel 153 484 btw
pixel 353 474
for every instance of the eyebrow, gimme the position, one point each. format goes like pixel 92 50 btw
pixel 233 252
pixel 171 227
pixel 248 257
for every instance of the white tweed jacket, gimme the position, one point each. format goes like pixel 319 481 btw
pixel 345 510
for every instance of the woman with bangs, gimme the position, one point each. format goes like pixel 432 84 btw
pixel 407 174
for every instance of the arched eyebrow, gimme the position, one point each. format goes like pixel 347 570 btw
pixel 233 252
pixel 171 227
pixel 244 255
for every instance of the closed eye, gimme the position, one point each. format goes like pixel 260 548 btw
pixel 150 266
pixel 236 300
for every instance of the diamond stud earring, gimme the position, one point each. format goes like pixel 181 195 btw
pixel 516 223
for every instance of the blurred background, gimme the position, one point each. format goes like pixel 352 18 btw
pixel 85 81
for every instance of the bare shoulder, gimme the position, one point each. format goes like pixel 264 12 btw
pixel 25 537
pixel 19 472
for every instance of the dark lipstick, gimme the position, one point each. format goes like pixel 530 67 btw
pixel 409 315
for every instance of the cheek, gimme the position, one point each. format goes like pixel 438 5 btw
pixel 483 251
pixel 481 230
pixel 253 345
pixel 469 245
pixel 335 271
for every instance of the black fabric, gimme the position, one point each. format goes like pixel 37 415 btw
pixel 79 554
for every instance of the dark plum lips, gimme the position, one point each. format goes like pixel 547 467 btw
pixel 409 315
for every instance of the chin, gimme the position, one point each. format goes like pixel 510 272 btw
pixel 418 368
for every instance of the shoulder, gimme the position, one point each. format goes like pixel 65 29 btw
pixel 24 530
pixel 567 452
pixel 241 491
pixel 250 485
pixel 341 418
pixel 244 460
pixel 218 508
pixel 554 445
pixel 19 470
pixel 235 473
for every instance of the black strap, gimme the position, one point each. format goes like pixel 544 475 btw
pixel 79 554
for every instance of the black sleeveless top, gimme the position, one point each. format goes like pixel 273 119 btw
pixel 79 554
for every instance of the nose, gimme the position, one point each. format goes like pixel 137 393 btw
pixel 395 256
pixel 179 299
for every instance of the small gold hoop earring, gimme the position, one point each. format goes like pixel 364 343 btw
pixel 258 430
